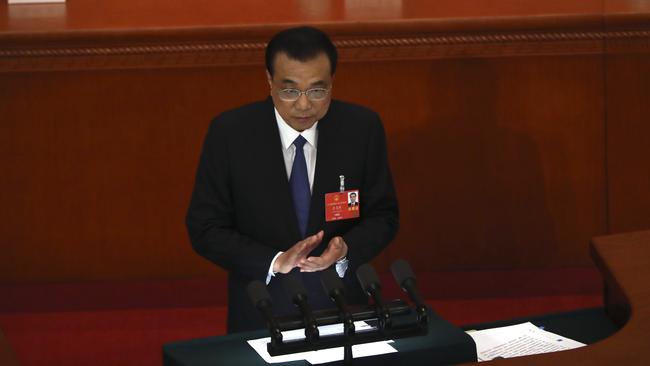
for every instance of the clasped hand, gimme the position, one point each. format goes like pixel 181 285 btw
pixel 297 255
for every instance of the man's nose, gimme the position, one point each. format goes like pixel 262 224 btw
pixel 303 102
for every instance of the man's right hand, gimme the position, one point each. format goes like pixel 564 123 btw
pixel 299 251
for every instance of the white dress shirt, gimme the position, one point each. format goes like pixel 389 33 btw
pixel 287 136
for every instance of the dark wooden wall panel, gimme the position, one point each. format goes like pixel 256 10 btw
pixel 98 168
pixel 628 145
pixel 498 162
pixel 627 90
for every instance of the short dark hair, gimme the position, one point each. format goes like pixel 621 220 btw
pixel 302 44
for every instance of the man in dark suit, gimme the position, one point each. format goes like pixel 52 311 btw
pixel 258 206
pixel 352 199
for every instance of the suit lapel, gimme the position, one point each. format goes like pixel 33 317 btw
pixel 272 161
pixel 326 174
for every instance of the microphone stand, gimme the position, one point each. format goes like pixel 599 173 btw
pixel 381 311
pixel 370 284
pixel 405 277
pixel 348 328
pixel 333 316
pixel 262 301
pixel 298 294
pixel 334 287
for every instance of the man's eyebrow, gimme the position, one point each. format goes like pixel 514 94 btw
pixel 319 83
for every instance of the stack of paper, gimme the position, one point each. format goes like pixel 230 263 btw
pixel 518 340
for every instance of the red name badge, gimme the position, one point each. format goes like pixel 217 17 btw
pixel 342 205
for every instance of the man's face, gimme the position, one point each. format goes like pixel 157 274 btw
pixel 293 74
pixel 353 198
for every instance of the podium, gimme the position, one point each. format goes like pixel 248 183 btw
pixel 444 344
pixel 617 334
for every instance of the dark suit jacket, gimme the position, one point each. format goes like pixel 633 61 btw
pixel 241 212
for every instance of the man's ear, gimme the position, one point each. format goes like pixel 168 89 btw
pixel 269 78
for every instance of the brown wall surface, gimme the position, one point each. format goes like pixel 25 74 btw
pixel 504 154
pixel 99 166
pixel 493 158
pixel 498 162
pixel 628 144
pixel 627 100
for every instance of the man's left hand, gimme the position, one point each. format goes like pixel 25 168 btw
pixel 336 249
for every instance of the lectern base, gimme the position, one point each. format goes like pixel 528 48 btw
pixel 445 344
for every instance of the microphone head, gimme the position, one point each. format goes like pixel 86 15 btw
pixel 402 272
pixel 293 285
pixel 368 277
pixel 257 292
pixel 331 282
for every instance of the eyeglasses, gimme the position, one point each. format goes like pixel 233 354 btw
pixel 315 94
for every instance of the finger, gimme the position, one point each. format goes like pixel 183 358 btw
pixel 312 263
pixel 308 269
pixel 318 263
pixel 306 244
pixel 316 238
pixel 294 251
pixel 328 257
pixel 336 243
pixel 331 252
pixel 337 248
pixel 312 242
pixel 306 248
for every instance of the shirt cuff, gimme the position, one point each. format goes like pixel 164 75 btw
pixel 342 266
pixel 271 273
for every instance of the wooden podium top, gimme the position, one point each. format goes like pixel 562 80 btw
pixel 126 15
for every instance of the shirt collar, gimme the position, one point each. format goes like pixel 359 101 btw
pixel 288 134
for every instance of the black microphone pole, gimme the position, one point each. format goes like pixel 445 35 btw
pixel 405 277
pixel 335 289
pixel 262 301
pixel 370 284
pixel 296 291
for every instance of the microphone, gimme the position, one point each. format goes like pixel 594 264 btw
pixel 336 291
pixel 405 278
pixel 370 283
pixel 296 291
pixel 261 299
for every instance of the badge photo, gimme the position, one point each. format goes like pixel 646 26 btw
pixel 342 205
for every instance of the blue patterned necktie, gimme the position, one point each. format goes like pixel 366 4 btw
pixel 299 182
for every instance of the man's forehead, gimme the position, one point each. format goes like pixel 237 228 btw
pixel 319 64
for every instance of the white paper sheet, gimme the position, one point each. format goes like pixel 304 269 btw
pixel 518 340
pixel 326 355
